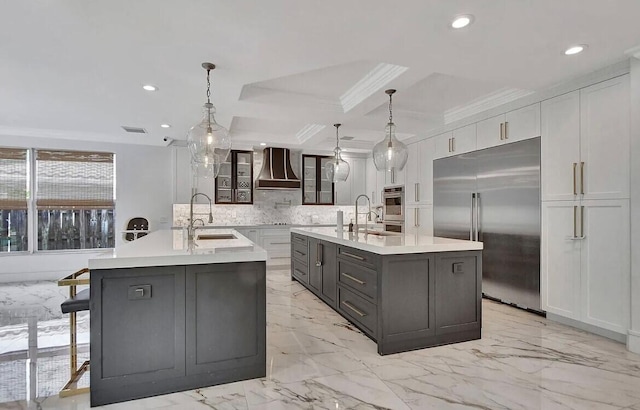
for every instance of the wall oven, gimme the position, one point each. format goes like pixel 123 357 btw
pixel 393 226
pixel 393 202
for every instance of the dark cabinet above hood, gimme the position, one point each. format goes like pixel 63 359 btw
pixel 276 170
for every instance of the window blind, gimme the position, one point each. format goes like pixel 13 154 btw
pixel 13 178
pixel 74 180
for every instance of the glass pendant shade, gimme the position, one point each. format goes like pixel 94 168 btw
pixel 209 144
pixel 338 169
pixel 390 153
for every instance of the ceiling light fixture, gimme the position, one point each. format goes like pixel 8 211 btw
pixel 262 144
pixel 579 48
pixel 165 125
pixel 338 169
pixel 390 154
pixel 208 141
pixel 462 21
pixel 149 87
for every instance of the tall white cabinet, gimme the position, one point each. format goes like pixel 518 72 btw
pixel 347 191
pixel 585 210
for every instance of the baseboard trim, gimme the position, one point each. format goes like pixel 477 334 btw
pixel 633 341
pixel 618 337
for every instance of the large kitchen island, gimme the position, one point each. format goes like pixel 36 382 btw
pixel 167 316
pixel 404 291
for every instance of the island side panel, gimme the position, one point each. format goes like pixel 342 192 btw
pixel 137 330
pixel 226 321
pixel 406 307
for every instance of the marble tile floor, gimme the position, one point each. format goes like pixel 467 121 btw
pixel 316 360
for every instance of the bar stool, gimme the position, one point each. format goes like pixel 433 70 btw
pixel 77 302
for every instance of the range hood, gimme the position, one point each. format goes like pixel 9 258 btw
pixel 276 170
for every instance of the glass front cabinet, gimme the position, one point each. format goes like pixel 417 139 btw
pixel 317 189
pixel 234 184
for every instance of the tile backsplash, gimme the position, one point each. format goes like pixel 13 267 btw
pixel 276 210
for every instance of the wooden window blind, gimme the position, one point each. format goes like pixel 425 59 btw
pixel 14 178
pixel 74 180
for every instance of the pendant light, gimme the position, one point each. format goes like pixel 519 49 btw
pixel 390 154
pixel 337 169
pixel 209 142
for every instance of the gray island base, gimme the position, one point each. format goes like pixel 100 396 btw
pixel 163 329
pixel 405 292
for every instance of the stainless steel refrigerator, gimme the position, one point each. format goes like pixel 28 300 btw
pixel 493 196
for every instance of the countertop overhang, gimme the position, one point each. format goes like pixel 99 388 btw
pixel 400 244
pixel 170 247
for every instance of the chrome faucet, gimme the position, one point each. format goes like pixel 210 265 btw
pixel 191 228
pixel 357 225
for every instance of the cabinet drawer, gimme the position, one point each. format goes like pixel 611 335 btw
pixel 300 271
pixel 357 256
pixel 300 252
pixel 278 259
pixel 299 239
pixel 359 278
pixel 275 232
pixel 276 243
pixel 359 311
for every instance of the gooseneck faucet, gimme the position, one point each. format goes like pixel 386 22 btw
pixel 366 227
pixel 191 221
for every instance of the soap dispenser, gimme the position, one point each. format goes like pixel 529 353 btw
pixel 351 226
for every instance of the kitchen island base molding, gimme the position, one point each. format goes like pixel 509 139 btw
pixel 159 330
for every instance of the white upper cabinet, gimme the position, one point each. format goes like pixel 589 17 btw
pixel 604 139
pixel 419 172
pixel 347 191
pixel 455 142
pixel 560 147
pixel 513 126
pixel 371 181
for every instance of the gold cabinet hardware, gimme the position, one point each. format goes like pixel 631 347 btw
pixel 356 280
pixel 354 309
pixel 582 178
pixel 360 258
pixel 506 130
pixel 575 189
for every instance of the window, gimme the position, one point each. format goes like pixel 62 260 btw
pixel 14 184
pixel 74 200
pixel 73 205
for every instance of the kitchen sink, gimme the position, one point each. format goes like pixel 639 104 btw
pixel 381 233
pixel 214 236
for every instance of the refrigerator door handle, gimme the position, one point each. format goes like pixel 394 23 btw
pixel 472 222
pixel 477 216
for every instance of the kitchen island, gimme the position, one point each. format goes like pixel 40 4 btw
pixel 167 316
pixel 404 291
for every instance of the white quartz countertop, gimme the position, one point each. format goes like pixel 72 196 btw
pixel 170 247
pixel 390 245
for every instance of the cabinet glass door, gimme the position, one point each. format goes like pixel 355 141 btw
pixel 224 183
pixel 243 178
pixel 309 188
pixel 326 186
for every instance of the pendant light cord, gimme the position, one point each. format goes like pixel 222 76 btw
pixel 208 86
pixel 390 111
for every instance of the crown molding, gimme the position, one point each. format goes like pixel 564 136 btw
pixel 374 80
pixel 489 101
pixel 308 131
pixel 104 138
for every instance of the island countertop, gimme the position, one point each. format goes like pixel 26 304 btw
pixel 169 247
pixel 398 244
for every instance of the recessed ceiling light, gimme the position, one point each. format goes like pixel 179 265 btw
pixel 165 125
pixel 462 21
pixel 149 87
pixel 575 49
pixel 263 144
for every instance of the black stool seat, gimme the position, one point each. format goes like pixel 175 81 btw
pixel 78 303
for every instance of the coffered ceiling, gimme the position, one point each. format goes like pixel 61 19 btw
pixel 287 69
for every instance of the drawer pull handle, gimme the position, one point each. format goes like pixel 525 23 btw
pixel 279 257
pixel 280 243
pixel 356 280
pixel 360 258
pixel 300 253
pixel 140 292
pixel 301 272
pixel 299 239
pixel 353 308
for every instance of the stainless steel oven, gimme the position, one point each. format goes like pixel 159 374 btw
pixel 393 202
pixel 393 226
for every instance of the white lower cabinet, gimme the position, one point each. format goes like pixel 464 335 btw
pixel 586 261
pixel 419 219
pixel 276 241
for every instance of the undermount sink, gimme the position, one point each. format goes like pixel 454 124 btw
pixel 381 233
pixel 213 236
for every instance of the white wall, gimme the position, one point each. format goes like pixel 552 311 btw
pixel 634 332
pixel 144 187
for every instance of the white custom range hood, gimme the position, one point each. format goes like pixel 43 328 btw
pixel 276 170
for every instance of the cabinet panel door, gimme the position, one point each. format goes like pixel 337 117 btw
pixel 606 264
pixel 560 151
pixel 329 272
pixel 315 271
pixel 425 220
pixel 426 153
pixel 412 173
pixel 381 182
pixel 443 145
pixel 464 139
pixel 604 112
pixel 357 177
pixel 522 123
pixel 343 190
pixel 560 254
pixel 372 182
pixel 458 294
pixel 488 132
